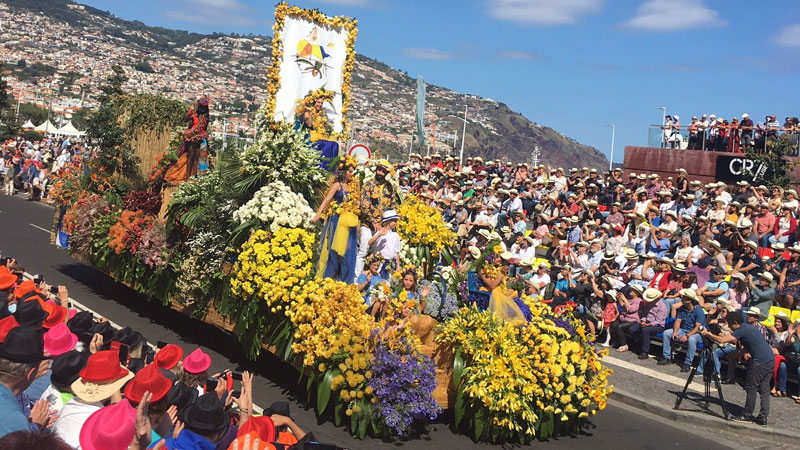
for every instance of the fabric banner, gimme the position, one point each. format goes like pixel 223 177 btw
pixel 738 168
pixel 310 51
pixel 420 111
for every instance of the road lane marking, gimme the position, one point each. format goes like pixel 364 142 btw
pixel 671 379
pixel 40 228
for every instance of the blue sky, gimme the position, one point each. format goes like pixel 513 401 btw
pixel 574 65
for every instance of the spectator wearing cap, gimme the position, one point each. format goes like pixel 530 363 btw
pixel 151 380
pixel 22 361
pixel 99 384
pixel 206 424
pixel 653 316
pixel 686 328
pixel 714 289
pixel 110 428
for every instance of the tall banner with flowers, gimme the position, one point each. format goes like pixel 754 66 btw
pixel 311 52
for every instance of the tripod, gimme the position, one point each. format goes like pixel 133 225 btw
pixel 709 372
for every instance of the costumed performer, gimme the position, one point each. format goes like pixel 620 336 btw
pixel 501 303
pixel 194 138
pixel 310 117
pixel 339 241
pixel 378 196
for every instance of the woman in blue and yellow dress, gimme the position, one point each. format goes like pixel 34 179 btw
pixel 339 241
pixel 311 118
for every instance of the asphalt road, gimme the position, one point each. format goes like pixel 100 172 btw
pixel 25 237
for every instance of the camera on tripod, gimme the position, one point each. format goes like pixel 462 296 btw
pixel 710 373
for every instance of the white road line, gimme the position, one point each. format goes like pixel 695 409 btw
pixel 81 307
pixel 40 228
pixel 671 379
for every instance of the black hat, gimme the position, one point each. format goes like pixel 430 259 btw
pixel 67 367
pixel 280 408
pixel 128 336
pixel 30 313
pixel 207 414
pixel 106 330
pixel 81 325
pixel 23 345
pixel 181 395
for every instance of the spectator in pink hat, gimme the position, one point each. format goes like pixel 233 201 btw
pixel 59 340
pixel 195 370
pixel 109 428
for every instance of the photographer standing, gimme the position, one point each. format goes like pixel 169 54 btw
pixel 759 369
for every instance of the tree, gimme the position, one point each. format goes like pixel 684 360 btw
pixel 80 119
pixel 144 66
pixel 8 124
pixel 239 105
pixel 115 82
pixel 772 165
pixel 21 64
pixel 29 111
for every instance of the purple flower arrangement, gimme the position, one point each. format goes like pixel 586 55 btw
pixel 565 324
pixel 403 381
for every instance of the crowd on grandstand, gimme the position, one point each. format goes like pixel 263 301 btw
pixel 714 133
pixel 93 386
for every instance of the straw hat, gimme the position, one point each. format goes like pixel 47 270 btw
pixel 753 311
pixel 688 293
pixel 631 254
pixel 725 304
pixel 650 295
pixel 475 252
pixel 767 276
pixel 101 378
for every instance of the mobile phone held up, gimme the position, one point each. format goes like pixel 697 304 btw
pixel 123 350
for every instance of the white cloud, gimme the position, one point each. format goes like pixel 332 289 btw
pixel 672 15
pixel 427 53
pixel 542 12
pixel 789 36
pixel 517 54
pixel 214 13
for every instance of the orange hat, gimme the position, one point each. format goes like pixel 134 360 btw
pixel 6 325
pixel 261 425
pixel 55 314
pixel 25 287
pixel 7 279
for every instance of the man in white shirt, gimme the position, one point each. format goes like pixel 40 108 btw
pixel 540 279
pixel 560 180
pixel 386 241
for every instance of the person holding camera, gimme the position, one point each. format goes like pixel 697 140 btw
pixel 759 369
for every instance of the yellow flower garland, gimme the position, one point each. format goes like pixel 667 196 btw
pixel 282 10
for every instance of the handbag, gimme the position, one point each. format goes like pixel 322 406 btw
pixel 792 359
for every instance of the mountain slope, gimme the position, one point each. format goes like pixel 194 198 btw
pixel 232 69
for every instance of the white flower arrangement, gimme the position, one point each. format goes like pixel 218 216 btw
pixel 277 206
pixel 408 255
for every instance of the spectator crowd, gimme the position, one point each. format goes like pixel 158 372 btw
pixel 70 380
pixel 712 133
pixel 27 166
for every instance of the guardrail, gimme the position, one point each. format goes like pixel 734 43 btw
pixel 707 140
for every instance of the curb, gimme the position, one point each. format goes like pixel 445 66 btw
pixel 703 420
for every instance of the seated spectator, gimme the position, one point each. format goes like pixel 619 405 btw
pixel 66 370
pixel 686 329
pixel 195 370
pixel 27 440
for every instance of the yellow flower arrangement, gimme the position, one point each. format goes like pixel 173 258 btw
pixel 421 224
pixel 283 10
pixel 525 378
pixel 270 265
pixel 352 203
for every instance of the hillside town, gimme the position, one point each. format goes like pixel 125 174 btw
pixel 73 63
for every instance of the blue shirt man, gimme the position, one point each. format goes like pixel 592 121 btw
pixel 12 417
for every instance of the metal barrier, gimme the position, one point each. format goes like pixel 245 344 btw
pixel 707 140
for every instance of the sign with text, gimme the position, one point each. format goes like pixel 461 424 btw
pixel 738 168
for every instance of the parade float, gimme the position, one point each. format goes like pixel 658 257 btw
pixel 237 247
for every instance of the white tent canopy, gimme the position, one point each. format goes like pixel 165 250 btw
pixel 28 125
pixel 69 130
pixel 46 127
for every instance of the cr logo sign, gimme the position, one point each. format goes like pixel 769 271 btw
pixel 742 166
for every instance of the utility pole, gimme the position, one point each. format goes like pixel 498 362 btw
pixel 663 122
pixel 224 132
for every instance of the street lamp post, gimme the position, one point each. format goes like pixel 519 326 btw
pixel 611 162
pixel 463 136
pixel 663 122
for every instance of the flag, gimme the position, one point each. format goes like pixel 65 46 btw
pixel 420 110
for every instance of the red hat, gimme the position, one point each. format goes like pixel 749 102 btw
pixel 168 357
pixel 25 287
pixel 197 362
pixel 7 279
pixel 56 314
pixel 263 426
pixel 103 367
pixel 59 340
pixel 109 428
pixel 6 325
pixel 150 380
